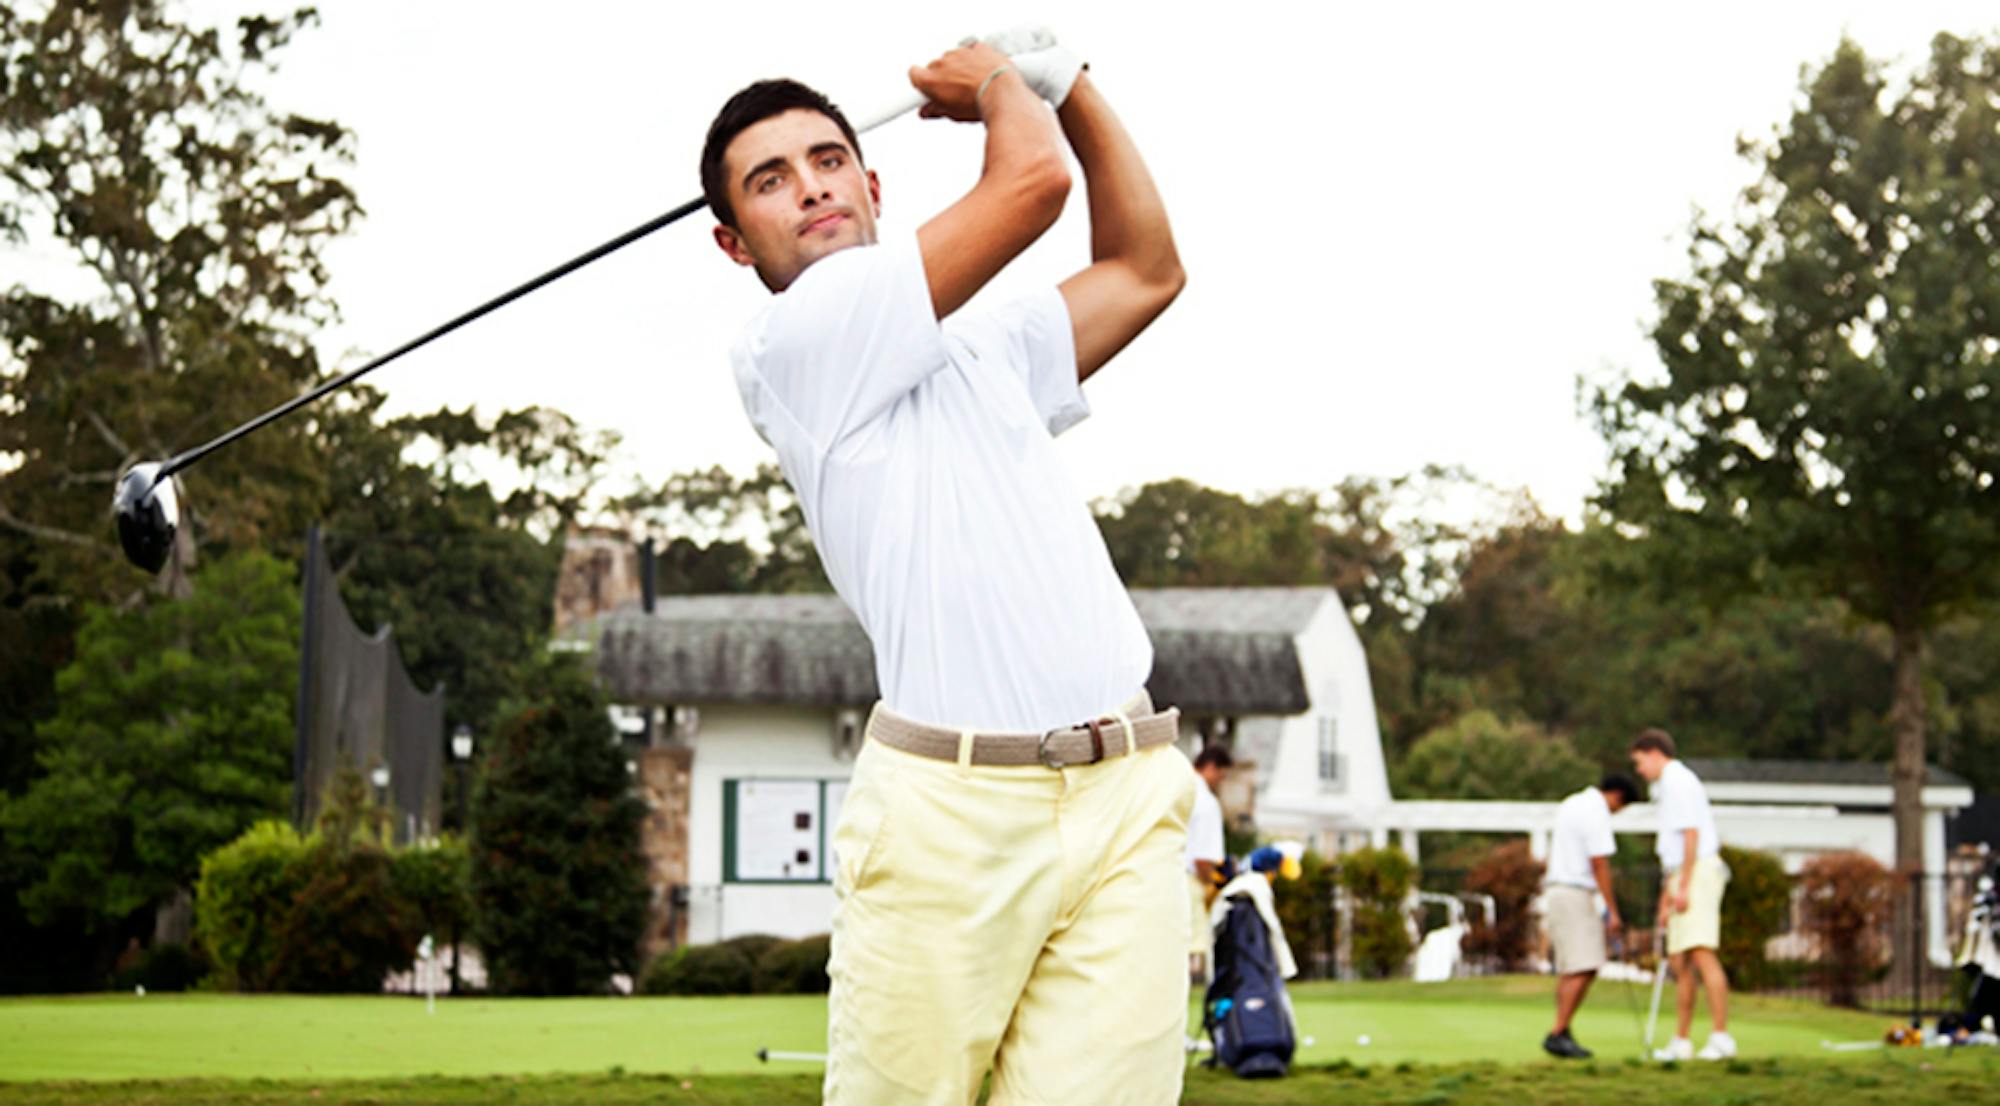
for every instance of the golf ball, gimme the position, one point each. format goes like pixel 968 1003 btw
pixel 1361 1040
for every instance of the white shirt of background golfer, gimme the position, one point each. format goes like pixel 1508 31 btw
pixel 1205 839
pixel 1582 831
pixel 1683 804
pixel 923 455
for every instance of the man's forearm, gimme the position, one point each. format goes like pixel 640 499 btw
pixel 1128 220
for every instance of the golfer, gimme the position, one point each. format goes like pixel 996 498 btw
pixel 1690 894
pixel 1579 870
pixel 1205 844
pixel 1008 879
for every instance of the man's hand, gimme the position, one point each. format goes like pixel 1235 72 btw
pixel 1049 68
pixel 952 83
pixel 1614 925
pixel 1678 899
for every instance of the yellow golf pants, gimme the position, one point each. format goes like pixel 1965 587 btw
pixel 1023 920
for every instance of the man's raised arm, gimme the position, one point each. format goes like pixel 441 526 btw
pixel 1135 271
pixel 1022 185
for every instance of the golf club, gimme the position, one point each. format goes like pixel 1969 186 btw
pixel 1619 950
pixel 1659 982
pixel 769 1054
pixel 146 506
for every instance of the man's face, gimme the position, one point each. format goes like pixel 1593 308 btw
pixel 798 192
pixel 1212 775
pixel 1649 763
pixel 1614 801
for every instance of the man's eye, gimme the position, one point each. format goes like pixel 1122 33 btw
pixel 830 161
pixel 766 182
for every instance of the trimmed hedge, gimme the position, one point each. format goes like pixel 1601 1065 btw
pixel 1379 881
pixel 752 964
pixel 1754 909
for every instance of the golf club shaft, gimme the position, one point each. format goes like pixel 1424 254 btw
pixel 182 460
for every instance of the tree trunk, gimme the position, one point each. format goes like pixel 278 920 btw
pixel 1906 722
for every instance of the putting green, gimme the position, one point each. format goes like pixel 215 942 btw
pixel 298 1037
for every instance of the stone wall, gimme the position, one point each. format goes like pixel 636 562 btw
pixel 665 776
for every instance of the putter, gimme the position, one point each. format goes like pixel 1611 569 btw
pixel 1659 982
pixel 1631 1001
pixel 146 505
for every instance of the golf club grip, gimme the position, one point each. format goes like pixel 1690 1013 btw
pixel 909 102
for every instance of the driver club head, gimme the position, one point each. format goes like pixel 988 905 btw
pixel 148 514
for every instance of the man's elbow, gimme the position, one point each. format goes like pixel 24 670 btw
pixel 1044 185
pixel 1162 282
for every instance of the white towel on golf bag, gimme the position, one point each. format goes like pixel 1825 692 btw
pixel 1257 887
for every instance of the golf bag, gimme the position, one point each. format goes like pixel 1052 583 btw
pixel 1980 960
pixel 1246 1012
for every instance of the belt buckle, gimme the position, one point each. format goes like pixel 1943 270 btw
pixel 1047 755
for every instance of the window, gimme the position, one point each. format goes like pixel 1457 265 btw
pixel 1329 750
pixel 776 831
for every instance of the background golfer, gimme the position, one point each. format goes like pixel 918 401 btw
pixel 1579 869
pixel 1690 894
pixel 1008 882
pixel 1205 854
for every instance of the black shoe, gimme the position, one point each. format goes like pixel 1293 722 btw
pixel 1564 1046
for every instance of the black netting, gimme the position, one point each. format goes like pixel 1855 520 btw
pixel 358 706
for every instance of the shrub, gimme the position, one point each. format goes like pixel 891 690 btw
pixel 1754 908
pixel 245 888
pixel 1378 881
pixel 1847 899
pixel 558 880
pixel 793 968
pixel 434 879
pixel 1512 876
pixel 721 969
pixel 1305 909
pixel 347 928
pixel 171 966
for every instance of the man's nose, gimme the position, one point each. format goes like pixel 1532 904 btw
pixel 812 188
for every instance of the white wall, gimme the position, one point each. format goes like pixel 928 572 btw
pixel 1337 681
pixel 736 742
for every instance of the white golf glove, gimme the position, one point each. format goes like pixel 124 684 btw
pixel 1049 68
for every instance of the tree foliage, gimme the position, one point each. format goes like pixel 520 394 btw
pixel 1827 420
pixel 197 219
pixel 1478 756
pixel 173 734
pixel 558 880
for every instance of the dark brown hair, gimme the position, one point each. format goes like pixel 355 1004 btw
pixel 1216 755
pixel 1656 740
pixel 754 104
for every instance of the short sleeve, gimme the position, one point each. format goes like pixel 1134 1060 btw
pixel 852 335
pixel 1033 338
pixel 1599 840
pixel 1205 837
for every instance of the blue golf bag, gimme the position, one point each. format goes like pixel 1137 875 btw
pixel 1245 1011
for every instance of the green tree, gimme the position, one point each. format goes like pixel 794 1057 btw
pixel 173 734
pixel 196 217
pixel 1478 756
pixel 558 881
pixel 1826 420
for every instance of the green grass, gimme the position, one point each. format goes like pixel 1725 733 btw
pixel 1903 1078
pixel 414 1057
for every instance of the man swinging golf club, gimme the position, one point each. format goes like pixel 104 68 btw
pixel 1008 880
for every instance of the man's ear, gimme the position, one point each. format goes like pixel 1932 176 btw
pixel 732 244
pixel 875 193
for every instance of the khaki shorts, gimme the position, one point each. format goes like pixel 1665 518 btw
pixel 1575 930
pixel 1025 920
pixel 1700 925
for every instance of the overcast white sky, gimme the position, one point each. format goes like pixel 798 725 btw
pixel 1408 228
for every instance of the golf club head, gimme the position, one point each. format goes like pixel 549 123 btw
pixel 148 514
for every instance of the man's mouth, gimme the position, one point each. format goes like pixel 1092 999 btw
pixel 824 222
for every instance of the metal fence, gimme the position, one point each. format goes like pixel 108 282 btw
pixel 1853 964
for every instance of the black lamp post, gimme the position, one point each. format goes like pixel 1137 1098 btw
pixel 461 755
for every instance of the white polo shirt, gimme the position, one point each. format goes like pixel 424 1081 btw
pixel 1683 804
pixel 1583 831
pixel 1204 832
pixel 923 457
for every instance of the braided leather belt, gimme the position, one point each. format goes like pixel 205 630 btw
pixel 1084 743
